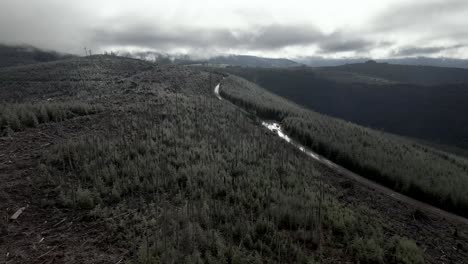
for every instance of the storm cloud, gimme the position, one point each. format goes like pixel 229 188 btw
pixel 259 38
pixel 382 28
pixel 343 42
pixel 271 37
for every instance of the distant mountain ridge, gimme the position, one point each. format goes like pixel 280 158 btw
pixel 265 62
pixel 419 75
pixel 14 55
pixel 416 61
pixel 25 54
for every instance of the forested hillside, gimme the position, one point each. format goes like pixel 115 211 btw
pixel 428 113
pixel 153 168
pixel 418 171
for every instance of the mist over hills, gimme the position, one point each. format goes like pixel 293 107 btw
pixel 265 62
pixel 221 60
pixel 252 61
pixel 13 55
pixel 26 54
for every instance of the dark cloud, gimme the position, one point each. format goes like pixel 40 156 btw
pixel 263 38
pixel 414 50
pixel 344 45
pixel 343 42
pixel 279 36
pixel 270 37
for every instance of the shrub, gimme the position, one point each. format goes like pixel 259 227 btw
pixel 84 199
pixel 20 116
pixel 405 251
pixel 367 250
pixel 190 187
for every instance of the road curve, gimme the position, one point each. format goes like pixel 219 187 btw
pixel 216 91
pixel 276 128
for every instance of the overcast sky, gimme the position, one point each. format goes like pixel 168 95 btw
pixel 330 28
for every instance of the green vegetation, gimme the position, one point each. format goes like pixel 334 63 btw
pixel 421 172
pixel 187 194
pixel 405 251
pixel 16 117
pixel 175 175
pixel 367 251
pixel 182 177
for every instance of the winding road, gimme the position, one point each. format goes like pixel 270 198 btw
pixel 216 91
pixel 276 128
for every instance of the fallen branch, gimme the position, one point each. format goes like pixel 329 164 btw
pixel 61 221
pixel 17 213
pixel 45 254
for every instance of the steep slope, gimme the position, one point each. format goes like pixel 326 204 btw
pixel 163 172
pixel 421 172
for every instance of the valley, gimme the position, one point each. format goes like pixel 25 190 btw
pixel 427 113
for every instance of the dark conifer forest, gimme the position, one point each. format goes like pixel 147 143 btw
pixel 427 107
